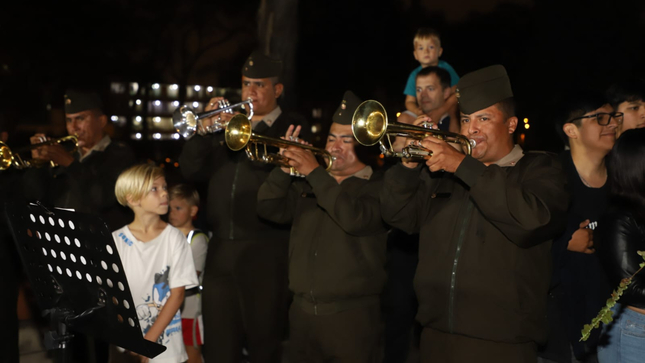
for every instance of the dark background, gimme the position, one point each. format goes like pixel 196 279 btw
pixel 550 49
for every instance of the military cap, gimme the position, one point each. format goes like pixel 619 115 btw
pixel 259 65
pixel 345 111
pixel 78 101
pixel 483 88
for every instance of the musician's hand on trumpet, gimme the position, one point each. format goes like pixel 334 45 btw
pixel 444 156
pixel 221 118
pixel 401 142
pixel 54 152
pixel 302 160
pixel 299 161
pixel 37 139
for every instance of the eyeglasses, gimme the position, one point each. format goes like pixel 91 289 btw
pixel 603 118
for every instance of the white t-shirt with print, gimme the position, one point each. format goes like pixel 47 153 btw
pixel 153 268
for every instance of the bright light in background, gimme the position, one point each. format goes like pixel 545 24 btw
pixel 138 102
pixel 314 129
pixel 157 103
pixel 526 126
pixel 156 136
pixel 138 135
pixel 209 89
pixel 138 119
pixel 174 86
pixel 114 118
pixel 155 86
pixel 197 88
pixel 526 120
pixel 175 103
pixel 195 104
pixel 156 119
pixel 175 136
pixel 398 114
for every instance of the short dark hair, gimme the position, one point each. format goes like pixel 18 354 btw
pixel 626 169
pixel 442 74
pixel 630 90
pixel 507 106
pixel 576 105
pixel 426 33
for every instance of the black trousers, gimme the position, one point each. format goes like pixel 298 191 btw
pixel 245 300
pixel 399 300
pixel 350 336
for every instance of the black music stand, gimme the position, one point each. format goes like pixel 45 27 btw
pixel 76 274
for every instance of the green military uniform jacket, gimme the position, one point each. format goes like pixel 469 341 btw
pixel 233 182
pixel 337 243
pixel 485 239
pixel 86 185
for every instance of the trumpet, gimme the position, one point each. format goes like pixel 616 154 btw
pixel 370 126
pixel 10 158
pixel 239 134
pixel 187 122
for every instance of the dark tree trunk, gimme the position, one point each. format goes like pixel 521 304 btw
pixel 278 37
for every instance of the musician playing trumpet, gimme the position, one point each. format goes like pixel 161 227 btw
pixel 245 279
pixel 83 180
pixel 486 222
pixel 337 247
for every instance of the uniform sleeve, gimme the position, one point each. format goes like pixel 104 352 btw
pixel 97 181
pixel 277 198
pixel 199 247
pixel 197 160
pixel 357 214
pixel 529 210
pixel 411 85
pixel 182 268
pixel 401 198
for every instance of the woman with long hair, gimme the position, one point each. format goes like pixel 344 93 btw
pixel 618 237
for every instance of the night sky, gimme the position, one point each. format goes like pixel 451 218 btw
pixel 550 48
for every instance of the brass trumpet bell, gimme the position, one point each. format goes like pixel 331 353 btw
pixel 370 126
pixel 6 158
pixel 239 134
pixel 10 158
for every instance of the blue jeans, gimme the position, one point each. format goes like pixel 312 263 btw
pixel 623 340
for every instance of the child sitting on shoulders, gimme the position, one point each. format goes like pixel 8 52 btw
pixel 184 205
pixel 427 50
pixel 156 260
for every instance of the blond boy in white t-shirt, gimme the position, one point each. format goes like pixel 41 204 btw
pixel 156 259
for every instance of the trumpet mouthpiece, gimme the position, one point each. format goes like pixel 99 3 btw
pixel 472 142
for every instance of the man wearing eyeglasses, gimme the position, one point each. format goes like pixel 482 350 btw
pixel 628 97
pixel 587 124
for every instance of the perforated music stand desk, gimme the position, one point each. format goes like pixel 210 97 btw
pixel 77 277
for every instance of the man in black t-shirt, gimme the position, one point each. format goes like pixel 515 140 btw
pixel 587 124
